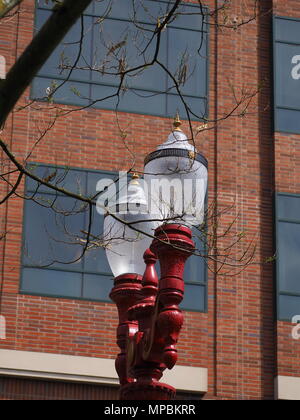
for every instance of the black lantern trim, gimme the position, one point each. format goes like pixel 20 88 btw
pixel 163 153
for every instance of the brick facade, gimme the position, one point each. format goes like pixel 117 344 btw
pixel 238 340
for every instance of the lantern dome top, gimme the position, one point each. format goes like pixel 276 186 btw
pixel 177 139
pixel 135 193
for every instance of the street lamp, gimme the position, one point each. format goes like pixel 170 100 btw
pixel 154 224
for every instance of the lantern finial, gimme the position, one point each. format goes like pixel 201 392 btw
pixel 135 178
pixel 177 123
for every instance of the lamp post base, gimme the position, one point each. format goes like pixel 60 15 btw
pixel 147 391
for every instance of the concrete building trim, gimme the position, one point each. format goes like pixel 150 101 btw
pixel 91 370
pixel 287 388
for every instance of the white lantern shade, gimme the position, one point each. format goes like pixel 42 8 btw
pixel 125 244
pixel 176 178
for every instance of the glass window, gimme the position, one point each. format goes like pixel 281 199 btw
pixel 126 32
pixel 194 297
pixel 53 233
pixel 286 29
pixel 288 307
pixel 288 250
pixel 288 207
pixel 53 237
pixel 286 51
pixel 51 282
pixel 51 223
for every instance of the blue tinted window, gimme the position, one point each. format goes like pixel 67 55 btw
pixel 287 74
pixel 183 46
pixel 288 251
pixel 51 223
pixel 194 297
pixel 287 85
pixel 96 286
pixel 51 282
pixel 67 52
pixel 69 93
pixel 288 207
pixel 288 254
pixel 53 259
pixel 287 30
pixel 130 25
pixel 287 120
pixel 65 178
pixel 289 306
pixel 195 267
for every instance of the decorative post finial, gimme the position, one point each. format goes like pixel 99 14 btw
pixel 177 123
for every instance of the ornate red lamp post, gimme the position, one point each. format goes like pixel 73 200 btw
pixel 149 315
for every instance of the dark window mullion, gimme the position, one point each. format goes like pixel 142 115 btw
pixel 26 265
pixel 287 293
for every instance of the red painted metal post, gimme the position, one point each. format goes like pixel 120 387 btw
pixel 125 293
pixel 149 316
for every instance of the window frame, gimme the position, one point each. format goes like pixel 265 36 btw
pixel 82 272
pixel 280 292
pixel 203 100
pixel 276 107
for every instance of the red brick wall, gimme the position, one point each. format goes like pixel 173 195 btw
pixel 236 339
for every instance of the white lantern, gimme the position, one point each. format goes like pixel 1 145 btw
pixel 127 243
pixel 176 178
